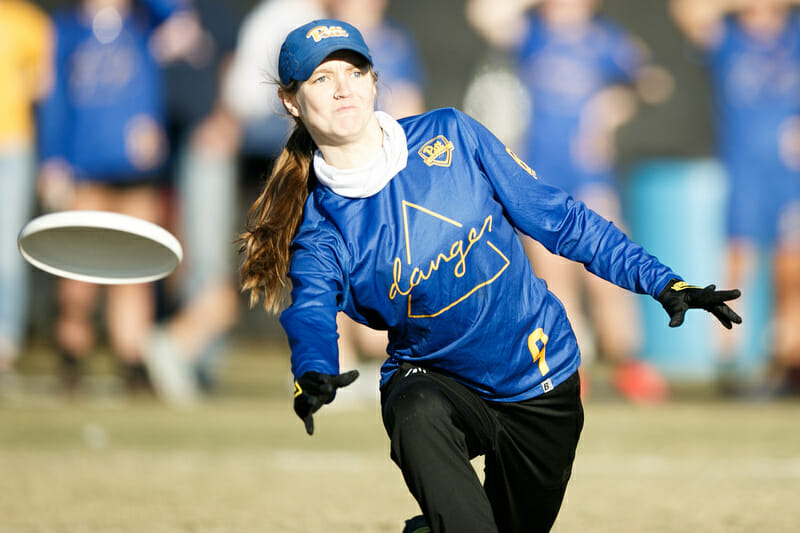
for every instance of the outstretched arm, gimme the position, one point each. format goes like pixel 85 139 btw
pixel 568 228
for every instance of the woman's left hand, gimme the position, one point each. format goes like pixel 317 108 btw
pixel 678 296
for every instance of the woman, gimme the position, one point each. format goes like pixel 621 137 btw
pixel 411 227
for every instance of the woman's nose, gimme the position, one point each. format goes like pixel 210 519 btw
pixel 342 87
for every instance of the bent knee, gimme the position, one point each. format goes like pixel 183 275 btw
pixel 415 402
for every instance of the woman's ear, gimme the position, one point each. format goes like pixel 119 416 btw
pixel 289 103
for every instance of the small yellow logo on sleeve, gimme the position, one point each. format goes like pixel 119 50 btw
pixel 522 163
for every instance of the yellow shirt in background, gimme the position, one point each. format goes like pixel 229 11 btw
pixel 25 37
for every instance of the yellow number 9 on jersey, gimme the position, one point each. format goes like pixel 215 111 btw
pixel 535 339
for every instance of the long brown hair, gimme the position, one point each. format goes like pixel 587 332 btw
pixel 274 218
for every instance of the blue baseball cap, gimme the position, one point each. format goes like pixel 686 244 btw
pixel 307 46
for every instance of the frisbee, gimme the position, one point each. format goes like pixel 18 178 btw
pixel 99 247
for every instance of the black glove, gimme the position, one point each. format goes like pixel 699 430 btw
pixel 312 390
pixel 678 296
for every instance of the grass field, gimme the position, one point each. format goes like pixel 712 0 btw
pixel 242 463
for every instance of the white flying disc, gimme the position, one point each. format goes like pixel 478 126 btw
pixel 99 247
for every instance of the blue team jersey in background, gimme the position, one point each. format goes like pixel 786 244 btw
pixel 434 258
pixel 100 85
pixel 562 72
pixel 756 85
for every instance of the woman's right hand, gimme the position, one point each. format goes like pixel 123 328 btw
pixel 312 390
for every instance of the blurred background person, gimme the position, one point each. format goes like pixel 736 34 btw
pixel 103 147
pixel 25 47
pixel 753 56
pixel 254 69
pixel 184 353
pixel 583 75
pixel 401 93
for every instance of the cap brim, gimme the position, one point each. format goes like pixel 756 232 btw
pixel 307 67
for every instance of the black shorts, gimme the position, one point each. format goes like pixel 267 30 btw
pixel 127 182
pixel 437 425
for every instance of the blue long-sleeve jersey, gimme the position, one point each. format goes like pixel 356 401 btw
pixel 435 259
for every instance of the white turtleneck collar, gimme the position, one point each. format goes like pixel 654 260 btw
pixel 365 181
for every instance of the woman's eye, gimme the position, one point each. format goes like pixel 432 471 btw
pixel 320 79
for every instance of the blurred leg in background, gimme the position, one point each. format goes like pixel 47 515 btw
pixel 129 309
pixel 17 190
pixel 185 352
pixel 25 75
pixel 786 260
pixel 787 316
pixel 786 275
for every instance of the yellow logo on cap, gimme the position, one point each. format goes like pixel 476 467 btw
pixel 323 32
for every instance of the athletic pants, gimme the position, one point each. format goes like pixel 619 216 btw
pixel 436 425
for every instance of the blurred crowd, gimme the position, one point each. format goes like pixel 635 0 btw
pixel 166 109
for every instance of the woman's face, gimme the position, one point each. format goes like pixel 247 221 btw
pixel 337 102
pixel 570 10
